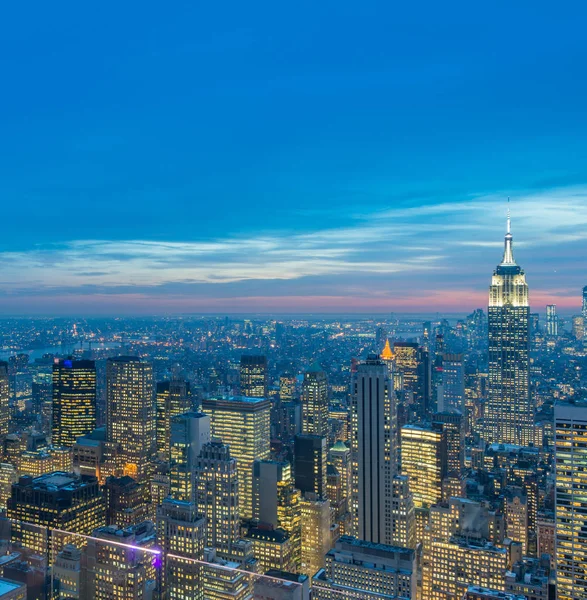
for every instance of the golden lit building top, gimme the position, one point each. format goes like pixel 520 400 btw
pixel 387 353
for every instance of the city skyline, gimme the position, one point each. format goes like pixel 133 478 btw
pixel 246 162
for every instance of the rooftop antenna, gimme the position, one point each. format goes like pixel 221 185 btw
pixel 509 217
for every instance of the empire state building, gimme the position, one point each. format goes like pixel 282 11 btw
pixel 509 414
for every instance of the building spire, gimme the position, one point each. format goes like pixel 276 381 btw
pixel 508 255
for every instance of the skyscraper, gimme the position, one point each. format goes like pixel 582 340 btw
pixel 276 501
pixel 253 376
pixel 424 462
pixel 453 425
pixel 131 412
pixel 4 398
pixel 74 400
pixel 316 533
pixel 315 402
pixel 181 531
pixel 374 454
pixel 173 398
pixel 571 507
pixel 453 383
pixel 413 363
pixel 242 423
pixel 216 493
pixel 188 434
pixel 509 413
pixel 584 307
pixel 310 464
pixel 119 563
pixel 551 321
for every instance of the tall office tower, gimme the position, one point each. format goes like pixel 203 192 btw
pixel 453 425
pixel 276 501
pixel 339 456
pixel 242 423
pixel 579 327
pixel 310 460
pixel 551 321
pixel 584 306
pixel 74 400
pixel 360 570
pixel 54 501
pixel 315 402
pixel 509 413
pixel 374 454
pixel 181 533
pixel 316 533
pixel 188 434
pixel 424 462
pixel 118 564
pixel 4 398
pixel 287 387
pixel 216 494
pixel 413 363
pixel 571 508
pixel 453 383
pixel 173 398
pixel 126 502
pixel 516 516
pixel 253 376
pixel 131 413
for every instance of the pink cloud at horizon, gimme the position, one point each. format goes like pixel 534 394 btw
pixel 458 301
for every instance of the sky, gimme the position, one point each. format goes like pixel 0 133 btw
pixel 221 157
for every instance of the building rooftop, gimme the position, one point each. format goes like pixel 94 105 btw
pixel 363 545
pixel 7 586
pixel 279 536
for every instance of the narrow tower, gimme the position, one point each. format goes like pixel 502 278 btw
pixel 509 414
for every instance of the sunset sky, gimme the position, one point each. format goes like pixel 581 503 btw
pixel 303 157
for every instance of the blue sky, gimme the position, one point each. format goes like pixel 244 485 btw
pixel 324 156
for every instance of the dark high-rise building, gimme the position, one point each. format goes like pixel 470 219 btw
pixel 125 502
pixel 453 424
pixel 131 412
pixel 381 504
pixel 4 398
pixel 310 464
pixel 173 398
pixel 253 376
pixel 584 306
pixel 74 400
pixel 509 413
pixel 315 402
pixel 452 396
pixel 413 362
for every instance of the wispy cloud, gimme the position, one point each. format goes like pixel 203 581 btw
pixel 406 243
